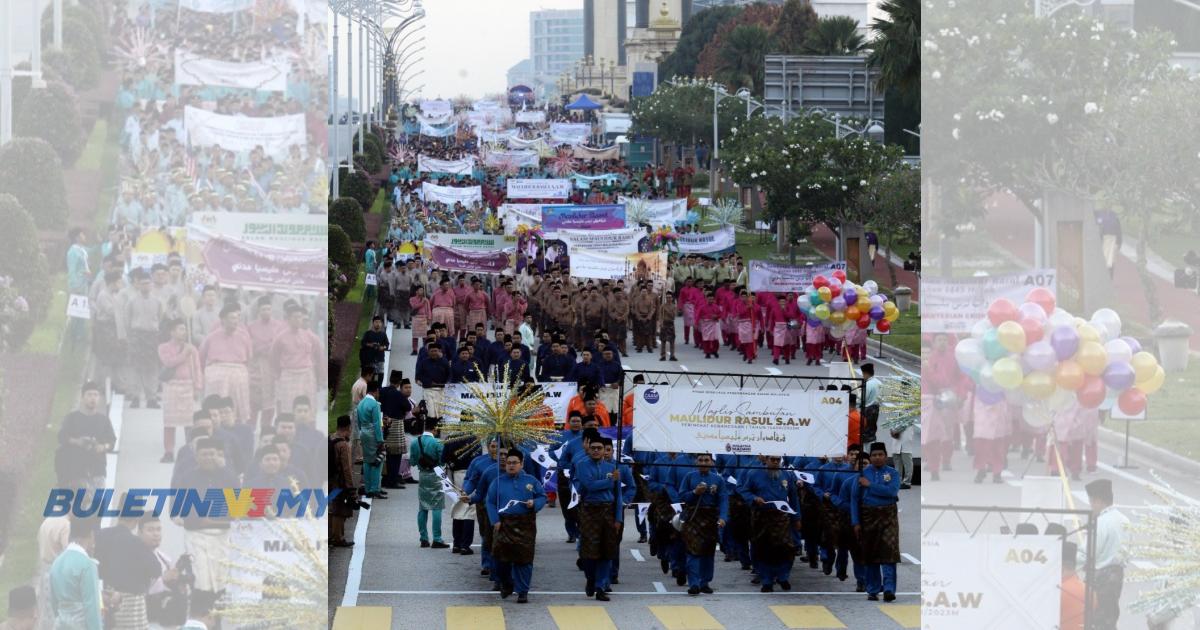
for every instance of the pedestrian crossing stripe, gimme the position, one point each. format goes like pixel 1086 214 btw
pixel 474 617
pixel 581 617
pixel 806 617
pixel 907 616
pixel 362 618
pixel 686 618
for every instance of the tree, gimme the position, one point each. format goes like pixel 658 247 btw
pixel 695 36
pixel 896 50
pixel 681 113
pixel 346 213
pixel 357 185
pixel 21 259
pixel 761 15
pixel 807 172
pixel 52 114
pixel 835 36
pixel 31 171
pixel 893 201
pixel 795 21
pixel 742 58
pixel 341 252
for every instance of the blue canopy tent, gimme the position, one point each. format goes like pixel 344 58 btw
pixel 584 103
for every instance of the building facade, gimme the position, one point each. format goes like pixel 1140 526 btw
pixel 555 44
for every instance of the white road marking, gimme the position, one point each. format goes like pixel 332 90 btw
pixel 626 367
pixel 354 574
pixel 1081 497
pixel 910 558
pixel 1148 484
pixel 773 371
pixel 791 593
pixel 1144 565
pixel 659 588
pixel 637 555
pixel 1010 479
pixel 896 367
pixel 684 367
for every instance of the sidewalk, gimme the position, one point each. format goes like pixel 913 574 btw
pixel 1011 219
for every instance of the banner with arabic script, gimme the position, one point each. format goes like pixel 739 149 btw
pixel 539 188
pixel 750 421
pixel 470 262
pixel 464 166
pixel 582 217
pixel 779 278
pixel 241 264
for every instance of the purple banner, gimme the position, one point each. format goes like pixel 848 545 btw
pixel 237 263
pixel 607 217
pixel 471 262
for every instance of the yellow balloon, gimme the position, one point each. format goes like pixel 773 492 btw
pixel 837 317
pixel 1144 365
pixel 1011 336
pixel 1007 373
pixel 863 304
pixel 825 293
pixel 821 311
pixel 1154 383
pixel 1070 375
pixel 1092 357
pixel 1038 385
pixel 892 316
pixel 889 307
pixel 1087 333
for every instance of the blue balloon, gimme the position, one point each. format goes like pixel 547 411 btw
pixel 988 397
pixel 813 321
pixel 850 296
pixel 991 346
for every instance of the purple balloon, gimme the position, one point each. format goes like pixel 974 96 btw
pixel 1065 342
pixel 1134 344
pixel 837 304
pixel 1040 356
pixel 988 397
pixel 814 321
pixel 1119 376
pixel 850 296
pixel 876 313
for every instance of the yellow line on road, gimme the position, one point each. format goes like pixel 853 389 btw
pixel 362 618
pixel 685 618
pixel 581 618
pixel 807 617
pixel 474 617
pixel 907 616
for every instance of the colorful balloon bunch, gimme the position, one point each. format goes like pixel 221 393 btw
pixel 839 304
pixel 1041 356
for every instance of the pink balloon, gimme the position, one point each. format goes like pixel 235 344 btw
pixel 1002 310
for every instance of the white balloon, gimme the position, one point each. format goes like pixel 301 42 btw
pixel 980 328
pixel 1110 319
pixel 1118 351
pixel 1060 400
pixel 969 353
pixel 871 286
pixel 1037 414
pixel 986 379
pixel 1061 318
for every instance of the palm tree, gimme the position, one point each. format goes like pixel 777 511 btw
pixel 896 51
pixel 835 36
pixel 742 57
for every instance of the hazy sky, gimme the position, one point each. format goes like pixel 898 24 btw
pixel 471 44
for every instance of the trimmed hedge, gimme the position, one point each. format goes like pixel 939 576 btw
pixel 22 259
pixel 52 114
pixel 347 213
pixel 77 64
pixel 31 171
pixel 357 185
pixel 341 252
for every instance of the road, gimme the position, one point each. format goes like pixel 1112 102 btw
pixel 395 583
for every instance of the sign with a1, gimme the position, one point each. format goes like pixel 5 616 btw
pixel 77 307
pixel 371 280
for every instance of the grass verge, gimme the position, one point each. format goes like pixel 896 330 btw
pixel 92 158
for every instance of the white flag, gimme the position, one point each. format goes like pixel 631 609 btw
pixel 782 506
pixel 439 471
pixel 642 508
pixel 805 477
pixel 451 495
pixel 574 497
pixel 508 506
pixel 678 507
pixel 541 455
pixel 731 480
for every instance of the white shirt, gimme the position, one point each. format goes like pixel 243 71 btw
pixel 871 393
pixel 1110 539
